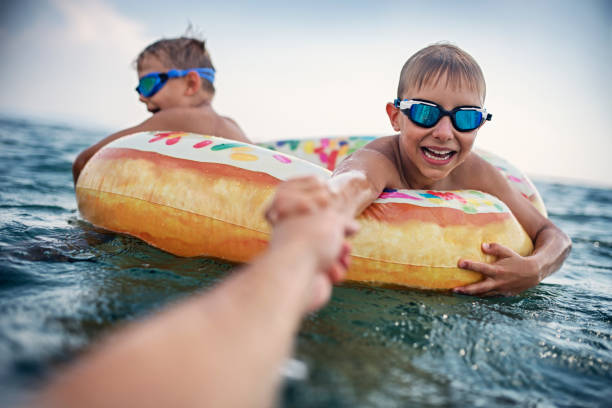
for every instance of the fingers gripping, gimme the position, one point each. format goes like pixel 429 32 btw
pixel 490 270
pixel 479 288
pixel 498 250
pixel 486 269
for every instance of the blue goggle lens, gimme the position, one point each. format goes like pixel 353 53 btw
pixel 427 116
pixel 147 84
pixel 424 115
pixel 467 119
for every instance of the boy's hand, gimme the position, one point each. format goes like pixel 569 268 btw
pixel 298 196
pixel 509 275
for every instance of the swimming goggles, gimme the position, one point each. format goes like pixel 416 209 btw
pixel 151 83
pixel 426 114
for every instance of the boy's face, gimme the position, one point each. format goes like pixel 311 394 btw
pixel 435 152
pixel 170 95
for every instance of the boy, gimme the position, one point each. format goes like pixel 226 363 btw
pixel 438 111
pixel 176 79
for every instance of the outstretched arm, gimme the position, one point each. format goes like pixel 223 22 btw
pixel 222 348
pixel 355 184
pixel 511 273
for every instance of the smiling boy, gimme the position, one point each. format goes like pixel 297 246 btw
pixel 438 111
pixel 176 83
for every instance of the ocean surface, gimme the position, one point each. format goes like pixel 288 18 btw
pixel 64 284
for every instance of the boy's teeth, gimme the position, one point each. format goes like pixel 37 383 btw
pixel 437 155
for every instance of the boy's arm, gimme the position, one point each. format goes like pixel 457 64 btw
pixel 512 273
pixel 355 184
pixel 87 154
pixel 159 121
pixel 223 348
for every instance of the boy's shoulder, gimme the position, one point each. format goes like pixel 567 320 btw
pixel 202 120
pixel 478 174
pixel 386 145
pixel 186 113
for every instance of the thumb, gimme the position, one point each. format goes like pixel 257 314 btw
pixel 351 227
pixel 498 250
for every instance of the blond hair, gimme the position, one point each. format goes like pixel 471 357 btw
pixel 430 64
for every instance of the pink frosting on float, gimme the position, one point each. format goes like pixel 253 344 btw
pixel 396 194
pixel 281 158
pixel 201 144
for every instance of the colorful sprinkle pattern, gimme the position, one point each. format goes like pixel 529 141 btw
pixel 513 174
pixel 326 152
pixel 270 158
pixel 211 149
pixel 468 201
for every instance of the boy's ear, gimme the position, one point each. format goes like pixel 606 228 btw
pixel 392 112
pixel 194 83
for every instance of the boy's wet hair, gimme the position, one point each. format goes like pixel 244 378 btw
pixel 438 60
pixel 180 53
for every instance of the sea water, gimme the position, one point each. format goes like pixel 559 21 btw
pixel 64 284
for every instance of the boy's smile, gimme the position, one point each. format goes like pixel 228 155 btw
pixel 437 156
pixel 429 155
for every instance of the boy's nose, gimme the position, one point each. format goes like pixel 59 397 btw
pixel 443 130
pixel 142 98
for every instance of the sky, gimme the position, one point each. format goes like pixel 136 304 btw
pixel 289 70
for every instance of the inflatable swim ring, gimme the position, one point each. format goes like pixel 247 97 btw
pixel 195 195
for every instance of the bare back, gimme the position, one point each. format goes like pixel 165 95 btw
pixel 201 119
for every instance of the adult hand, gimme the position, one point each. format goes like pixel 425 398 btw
pixel 319 239
pixel 509 275
pixel 302 195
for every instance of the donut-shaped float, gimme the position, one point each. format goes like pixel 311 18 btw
pixel 195 195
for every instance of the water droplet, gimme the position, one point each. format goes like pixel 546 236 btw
pixel 462 352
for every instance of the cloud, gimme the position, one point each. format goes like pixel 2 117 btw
pixel 71 60
pixel 94 23
pixel 309 72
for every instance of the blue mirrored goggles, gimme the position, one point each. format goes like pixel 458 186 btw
pixel 426 114
pixel 151 83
